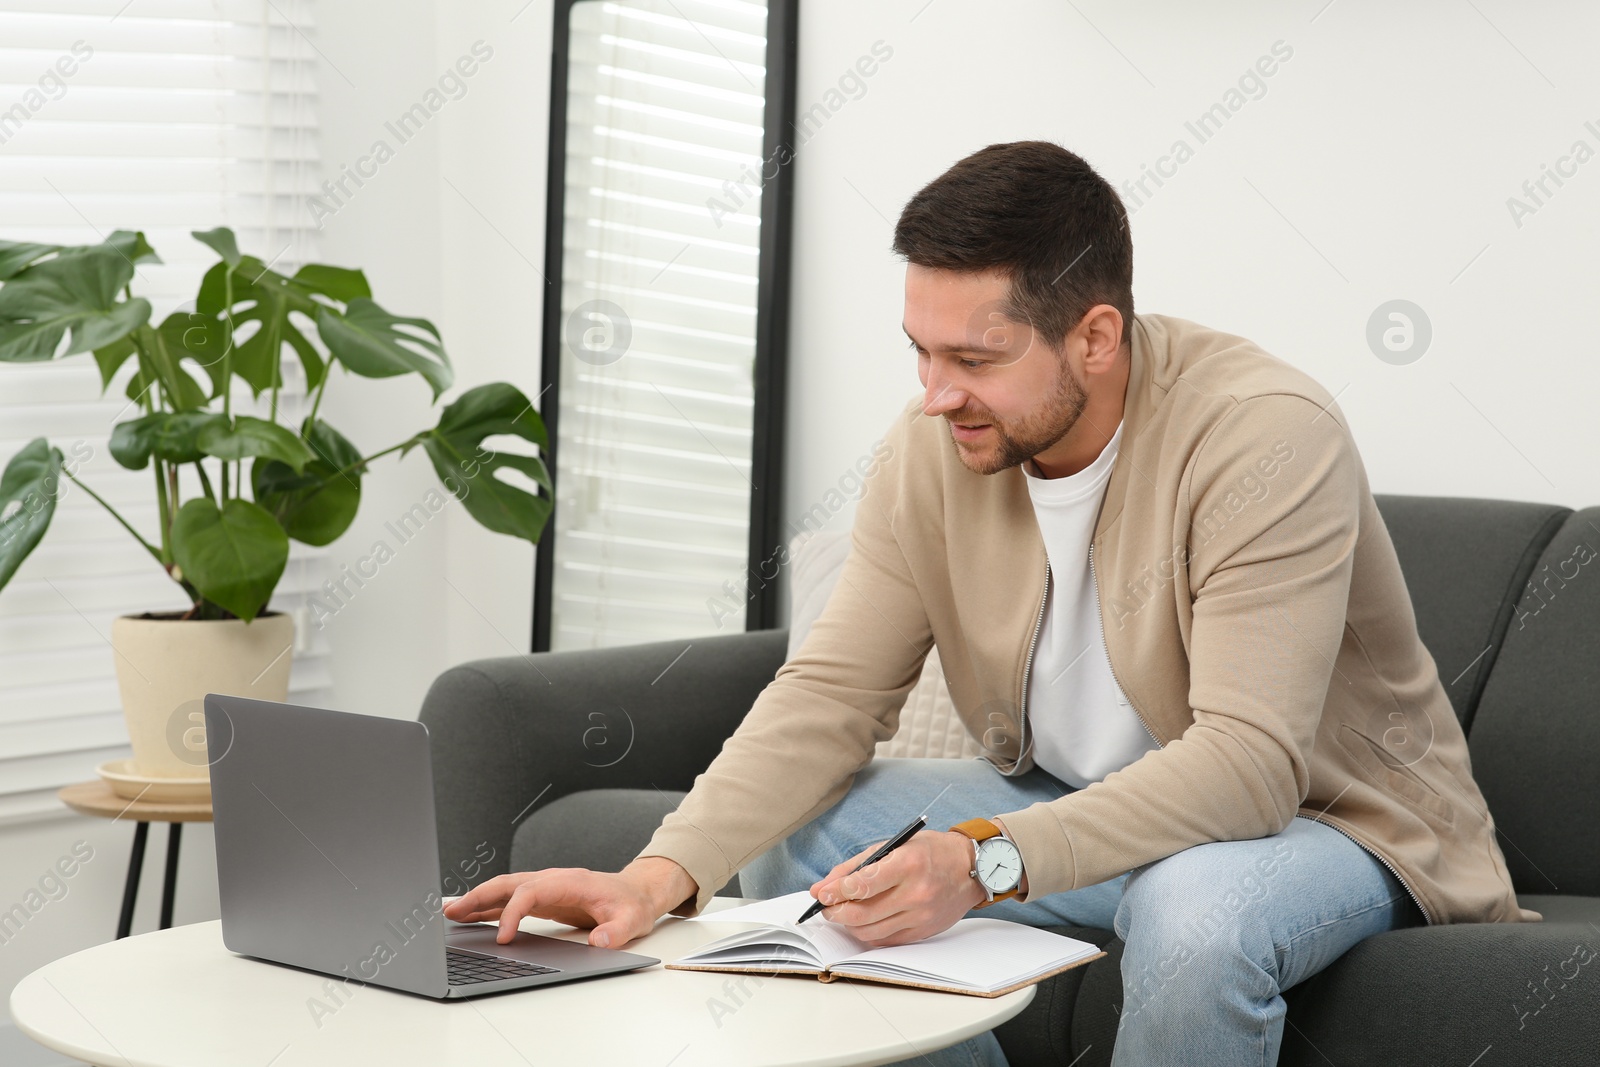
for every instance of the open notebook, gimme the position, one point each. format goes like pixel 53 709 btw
pixel 978 956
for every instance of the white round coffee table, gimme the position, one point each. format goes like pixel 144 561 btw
pixel 179 997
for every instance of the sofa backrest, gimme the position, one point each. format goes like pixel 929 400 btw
pixel 1535 740
pixel 1465 562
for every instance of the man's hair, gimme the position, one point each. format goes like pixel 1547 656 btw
pixel 1041 215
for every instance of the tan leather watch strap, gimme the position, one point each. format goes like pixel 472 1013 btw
pixel 979 830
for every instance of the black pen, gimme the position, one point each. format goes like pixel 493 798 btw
pixel 888 846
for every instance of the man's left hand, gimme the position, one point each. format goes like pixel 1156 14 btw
pixel 916 891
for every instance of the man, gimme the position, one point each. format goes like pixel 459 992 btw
pixel 1168 608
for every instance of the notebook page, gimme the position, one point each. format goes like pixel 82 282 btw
pixel 779 911
pixel 976 953
pixel 833 942
pixel 819 940
pixel 767 945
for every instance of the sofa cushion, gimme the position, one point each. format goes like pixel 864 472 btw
pixel 600 829
pixel 1448 994
pixel 1465 562
pixel 929 725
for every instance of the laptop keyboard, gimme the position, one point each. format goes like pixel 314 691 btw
pixel 470 968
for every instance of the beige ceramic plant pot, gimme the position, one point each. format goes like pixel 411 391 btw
pixel 166 666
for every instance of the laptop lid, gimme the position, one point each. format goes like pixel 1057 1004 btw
pixel 328 856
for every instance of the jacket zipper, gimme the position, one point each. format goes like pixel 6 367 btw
pixel 1027 666
pixel 1427 917
pixel 1107 646
pixel 1299 815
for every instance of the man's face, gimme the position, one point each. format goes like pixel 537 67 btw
pixel 984 371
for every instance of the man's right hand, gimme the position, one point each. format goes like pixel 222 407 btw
pixel 614 908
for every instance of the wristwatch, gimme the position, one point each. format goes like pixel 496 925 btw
pixel 996 860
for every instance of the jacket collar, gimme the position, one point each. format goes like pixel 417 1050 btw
pixel 1149 374
pixel 1146 349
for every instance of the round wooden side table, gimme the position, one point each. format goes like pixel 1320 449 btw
pixel 96 798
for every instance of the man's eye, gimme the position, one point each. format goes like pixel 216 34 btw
pixel 972 364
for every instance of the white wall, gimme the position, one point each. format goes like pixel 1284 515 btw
pixel 446 230
pixel 451 229
pixel 1376 166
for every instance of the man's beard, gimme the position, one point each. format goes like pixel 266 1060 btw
pixel 1022 439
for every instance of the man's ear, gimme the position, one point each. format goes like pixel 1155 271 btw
pixel 1101 328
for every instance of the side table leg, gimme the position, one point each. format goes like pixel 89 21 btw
pixel 169 883
pixel 130 889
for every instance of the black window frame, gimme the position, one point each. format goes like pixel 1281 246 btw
pixel 770 373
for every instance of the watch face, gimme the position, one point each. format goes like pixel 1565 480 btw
pixel 999 864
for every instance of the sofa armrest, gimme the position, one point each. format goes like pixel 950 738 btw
pixel 511 734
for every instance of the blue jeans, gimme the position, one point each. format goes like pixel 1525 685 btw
pixel 1213 934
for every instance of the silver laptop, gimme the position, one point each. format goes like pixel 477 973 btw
pixel 328 858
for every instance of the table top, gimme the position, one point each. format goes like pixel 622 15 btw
pixel 179 996
pixel 96 798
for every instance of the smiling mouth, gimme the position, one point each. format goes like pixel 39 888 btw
pixel 967 433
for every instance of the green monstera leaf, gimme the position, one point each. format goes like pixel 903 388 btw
pixel 340 283
pixel 247 436
pixel 130 244
pixel 468 469
pixel 234 555
pixel 315 505
pixel 222 242
pixel 267 300
pixel 74 293
pixel 15 255
pixel 111 358
pixel 184 336
pixel 264 306
pixel 370 342
pixel 167 435
pixel 31 481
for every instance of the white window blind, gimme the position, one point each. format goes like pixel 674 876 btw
pixel 177 115
pixel 662 224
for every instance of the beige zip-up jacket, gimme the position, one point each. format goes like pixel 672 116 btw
pixel 1254 614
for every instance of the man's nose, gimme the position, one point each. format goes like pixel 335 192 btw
pixel 942 395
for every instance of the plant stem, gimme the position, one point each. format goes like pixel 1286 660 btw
pixel 277 373
pixel 148 396
pixel 161 502
pixel 227 353
pixel 368 459
pixel 205 482
pixel 224 499
pixel 172 480
pixel 327 372
pixel 148 547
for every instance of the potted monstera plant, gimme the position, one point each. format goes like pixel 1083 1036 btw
pixel 233 489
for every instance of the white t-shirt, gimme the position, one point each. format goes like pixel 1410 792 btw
pixel 1081 724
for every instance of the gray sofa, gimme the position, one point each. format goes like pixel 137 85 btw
pixel 571 759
